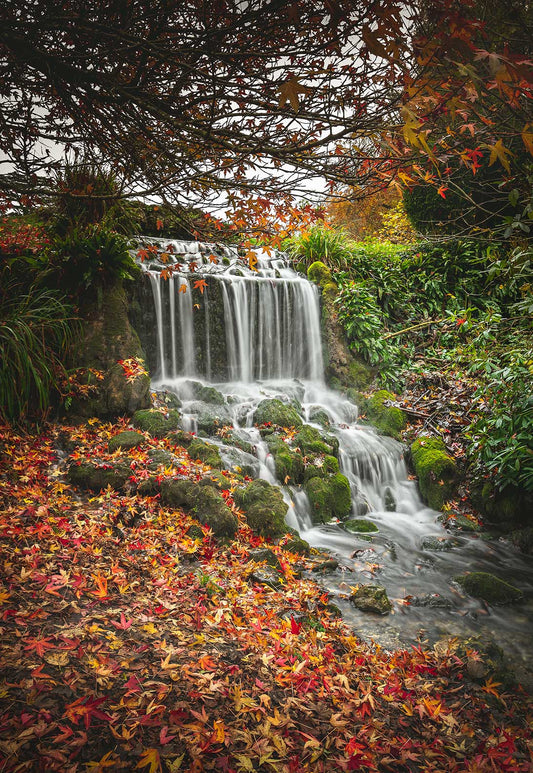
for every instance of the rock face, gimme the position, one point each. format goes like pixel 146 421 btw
pixel 371 598
pixel 342 368
pixel 108 337
pixel 436 471
pixel 486 586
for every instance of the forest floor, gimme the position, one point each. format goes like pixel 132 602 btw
pixel 128 644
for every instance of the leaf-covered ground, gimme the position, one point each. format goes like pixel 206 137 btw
pixel 128 643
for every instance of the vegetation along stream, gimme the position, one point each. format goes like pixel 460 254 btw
pixel 242 351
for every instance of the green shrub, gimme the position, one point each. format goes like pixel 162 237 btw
pixel 321 243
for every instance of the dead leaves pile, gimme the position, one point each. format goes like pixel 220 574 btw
pixel 138 647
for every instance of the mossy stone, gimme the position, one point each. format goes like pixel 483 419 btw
pixel 210 418
pixel 204 503
pixel 180 438
pixel 158 457
pixel 232 438
pixel 319 416
pixel 207 394
pixel 205 452
pixel 264 508
pixel 319 273
pixel 155 422
pixel 361 526
pixel 523 540
pixel 510 508
pixel 217 480
pixel 329 497
pixel 330 292
pixel 389 419
pixel 95 478
pixel 297 545
pixel 311 442
pixel 482 585
pixel 125 440
pixel 321 467
pixel 371 598
pixel 436 471
pixel 274 411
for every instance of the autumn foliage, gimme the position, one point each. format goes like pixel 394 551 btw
pixel 130 640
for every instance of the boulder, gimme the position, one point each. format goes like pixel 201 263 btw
pixel 264 508
pixel 436 471
pixel 274 411
pixel 329 497
pixel 125 441
pixel 155 422
pixel 482 585
pixel 371 598
pixel 94 477
pixel 205 452
pixel 389 419
pixel 204 503
pixel 360 526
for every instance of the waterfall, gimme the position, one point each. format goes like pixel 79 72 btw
pixel 256 335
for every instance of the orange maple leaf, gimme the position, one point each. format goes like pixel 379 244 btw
pixel 200 284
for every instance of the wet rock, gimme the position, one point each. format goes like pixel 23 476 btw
pixel 289 463
pixel 264 555
pixel 269 576
pixel 180 438
pixel 232 438
pixel 523 540
pixel 276 412
pixel 431 600
pixel 463 523
pixel 319 416
pixel 438 543
pixel 210 418
pixel 482 585
pixel 158 457
pixel 297 545
pixel 390 502
pixel 311 442
pixel 125 440
pixel 167 400
pixel 371 598
pixel 264 508
pixel 207 394
pixel 96 477
pixel 360 526
pixel 205 452
pixel 216 480
pixel 389 419
pixel 205 503
pixel 155 422
pixel 436 471
pixel 510 508
pixel 482 658
pixel 324 565
pixel 320 467
pixel 329 497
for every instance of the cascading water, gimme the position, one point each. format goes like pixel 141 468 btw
pixel 256 335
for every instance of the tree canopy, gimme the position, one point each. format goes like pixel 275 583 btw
pixel 251 106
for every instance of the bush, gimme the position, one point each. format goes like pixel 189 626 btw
pixel 320 243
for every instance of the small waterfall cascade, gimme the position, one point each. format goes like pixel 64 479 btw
pixel 251 335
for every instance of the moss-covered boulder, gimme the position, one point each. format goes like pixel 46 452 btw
pixel 329 497
pixel 204 503
pixel 508 509
pixel 95 477
pixel 206 394
pixel 205 452
pixel 264 508
pixel 125 441
pixel 180 438
pixel 311 442
pixel 436 471
pixel 523 540
pixel 210 418
pixel 319 273
pixel 321 467
pixel 319 416
pixel 273 411
pixel 389 419
pixel 158 457
pixel 482 585
pixel 233 438
pixel 371 598
pixel 155 422
pixel 296 544
pixel 361 526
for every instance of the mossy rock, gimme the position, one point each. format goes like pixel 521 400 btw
pixel 357 398
pixel 296 544
pixel 319 273
pixel 216 480
pixel 289 465
pixel 181 438
pixel 360 374
pixel 319 416
pixel 361 526
pixel 482 585
pixel 207 394
pixel 205 452
pixel 232 438
pixel 329 497
pixel 204 503
pixel 509 508
pixel 155 422
pixel 210 418
pixel 439 544
pixel 273 411
pixel 158 457
pixel 388 419
pixel 170 399
pixel 482 658
pixel 371 598
pixel 436 471
pixel 95 478
pixel 125 441
pixel 330 291
pixel 264 508
pixel 389 501
pixel 264 556
pixel 523 540
pixel 321 467
pixel 311 442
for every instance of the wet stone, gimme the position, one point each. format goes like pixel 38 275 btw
pixel 371 598
pixel 268 576
pixel 438 543
pixel 325 565
pixel 431 600
pixel 260 555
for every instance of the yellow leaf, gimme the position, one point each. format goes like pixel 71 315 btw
pixel 499 152
pixel 150 757
pixel 527 137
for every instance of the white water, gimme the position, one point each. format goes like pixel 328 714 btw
pixel 272 332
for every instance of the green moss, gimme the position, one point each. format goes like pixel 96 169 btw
pixel 311 442
pixel 289 465
pixel 360 374
pixel 321 467
pixel 319 416
pixel 264 508
pixel 361 526
pixel 486 586
pixel 156 423
pixel 319 273
pixel 330 292
pixel 329 497
pixel 388 419
pixel 523 540
pixel 205 452
pixel 275 412
pixel 125 440
pixel 436 471
pixel 371 598
pixel 95 478
pixel 204 503
pixel 206 394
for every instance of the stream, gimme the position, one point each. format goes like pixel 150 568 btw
pixel 256 335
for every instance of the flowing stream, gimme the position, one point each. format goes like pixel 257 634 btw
pixel 256 335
